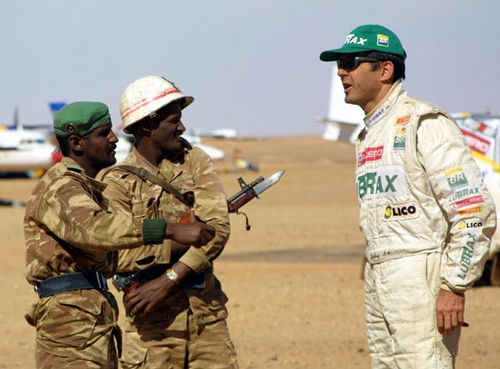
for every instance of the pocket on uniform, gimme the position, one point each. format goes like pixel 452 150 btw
pixel 69 320
pixel 134 352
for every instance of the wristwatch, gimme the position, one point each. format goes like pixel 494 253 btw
pixel 172 275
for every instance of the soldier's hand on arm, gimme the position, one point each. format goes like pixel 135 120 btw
pixel 144 298
pixel 450 308
pixel 195 233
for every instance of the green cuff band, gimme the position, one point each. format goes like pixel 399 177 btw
pixel 153 231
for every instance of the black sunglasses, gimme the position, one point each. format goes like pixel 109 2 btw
pixel 351 62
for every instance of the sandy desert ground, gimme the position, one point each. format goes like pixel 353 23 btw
pixel 296 298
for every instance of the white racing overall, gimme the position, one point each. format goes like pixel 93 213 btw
pixel 427 218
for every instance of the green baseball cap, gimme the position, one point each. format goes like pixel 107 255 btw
pixel 369 37
pixel 80 118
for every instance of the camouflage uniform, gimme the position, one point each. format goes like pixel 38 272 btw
pixel 189 329
pixel 68 229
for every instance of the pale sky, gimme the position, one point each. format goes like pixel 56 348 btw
pixel 251 65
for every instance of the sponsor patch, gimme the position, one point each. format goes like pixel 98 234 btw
pixel 456 178
pixel 473 200
pixel 377 115
pixel 402 120
pixel 384 181
pixel 400 212
pixel 465 225
pixel 383 40
pixel 460 194
pixel 370 154
pixel 469 211
pixel 466 256
pixel 399 143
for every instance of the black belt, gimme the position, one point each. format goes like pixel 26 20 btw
pixel 70 282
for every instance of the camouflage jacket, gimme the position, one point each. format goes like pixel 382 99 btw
pixel 68 228
pixel 128 193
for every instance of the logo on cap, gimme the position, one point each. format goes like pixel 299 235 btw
pixel 353 39
pixel 383 40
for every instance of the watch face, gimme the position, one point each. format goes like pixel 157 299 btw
pixel 172 275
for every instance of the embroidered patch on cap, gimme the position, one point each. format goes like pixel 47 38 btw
pixel 383 40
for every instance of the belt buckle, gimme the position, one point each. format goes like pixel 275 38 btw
pixel 143 173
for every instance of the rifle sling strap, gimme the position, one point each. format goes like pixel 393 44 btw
pixel 147 176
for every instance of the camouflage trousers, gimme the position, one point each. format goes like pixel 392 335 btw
pixel 181 344
pixel 76 330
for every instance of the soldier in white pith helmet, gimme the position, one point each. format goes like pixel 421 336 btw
pixel 176 309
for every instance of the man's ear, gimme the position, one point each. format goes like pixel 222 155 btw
pixel 147 126
pixel 76 143
pixel 386 71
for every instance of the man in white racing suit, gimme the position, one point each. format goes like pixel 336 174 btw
pixel 424 209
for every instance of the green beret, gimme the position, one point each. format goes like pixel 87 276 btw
pixel 80 118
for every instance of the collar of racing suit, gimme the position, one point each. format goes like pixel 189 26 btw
pixel 383 107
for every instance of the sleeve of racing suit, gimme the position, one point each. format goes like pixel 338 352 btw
pixel 462 194
pixel 210 207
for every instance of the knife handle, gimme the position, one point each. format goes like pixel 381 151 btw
pixel 240 201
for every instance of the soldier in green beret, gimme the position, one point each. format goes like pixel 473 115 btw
pixel 71 244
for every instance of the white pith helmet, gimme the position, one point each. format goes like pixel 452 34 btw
pixel 145 96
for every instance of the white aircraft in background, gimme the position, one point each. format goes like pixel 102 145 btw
pixel 223 133
pixel 344 121
pixel 211 151
pixel 23 151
